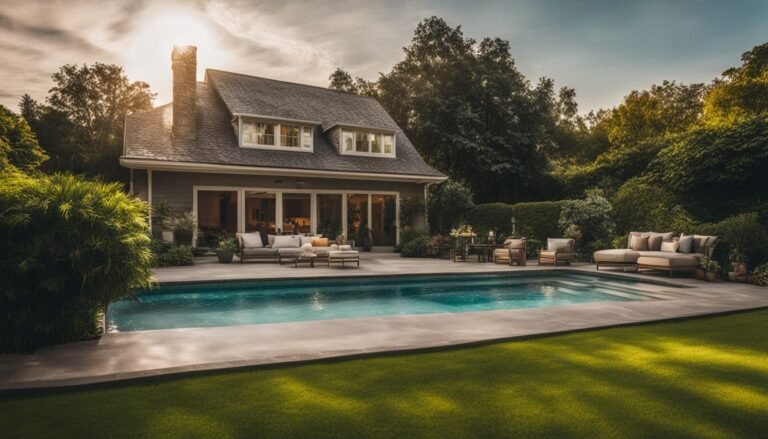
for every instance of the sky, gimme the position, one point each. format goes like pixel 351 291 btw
pixel 602 49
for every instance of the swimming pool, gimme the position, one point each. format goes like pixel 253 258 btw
pixel 276 301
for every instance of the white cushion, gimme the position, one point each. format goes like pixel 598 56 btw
pixel 559 244
pixel 288 241
pixel 343 254
pixel 670 246
pixel 251 240
pixel 306 249
pixel 307 239
pixel 271 240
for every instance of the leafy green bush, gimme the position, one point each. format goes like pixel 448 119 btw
pixel 640 205
pixel 438 245
pixel 536 220
pixel 448 204
pixel 68 247
pixel 760 275
pixel 168 254
pixel 415 248
pixel 588 221
pixel 742 233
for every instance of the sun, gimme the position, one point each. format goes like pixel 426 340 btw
pixel 148 57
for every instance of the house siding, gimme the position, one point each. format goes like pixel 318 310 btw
pixel 178 187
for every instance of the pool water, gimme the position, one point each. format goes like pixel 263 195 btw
pixel 246 303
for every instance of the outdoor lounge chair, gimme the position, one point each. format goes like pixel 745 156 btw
pixel 513 251
pixel 250 246
pixel 658 251
pixel 559 250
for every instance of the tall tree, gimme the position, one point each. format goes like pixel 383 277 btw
pixel 83 122
pixel 18 146
pixel 742 92
pixel 467 108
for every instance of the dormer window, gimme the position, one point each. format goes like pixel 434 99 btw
pixel 364 142
pixel 291 136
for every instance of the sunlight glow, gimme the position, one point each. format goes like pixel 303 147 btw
pixel 148 58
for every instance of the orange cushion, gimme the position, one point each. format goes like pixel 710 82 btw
pixel 320 242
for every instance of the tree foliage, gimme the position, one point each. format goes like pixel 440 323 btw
pixel 68 247
pixel 18 145
pixel 448 204
pixel 468 110
pixel 81 126
pixel 742 92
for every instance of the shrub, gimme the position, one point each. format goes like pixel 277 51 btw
pixel 437 245
pixel 742 233
pixel 588 222
pixel 68 247
pixel 639 205
pixel 167 254
pixel 760 275
pixel 415 248
pixel 407 235
pixel 536 220
pixel 448 205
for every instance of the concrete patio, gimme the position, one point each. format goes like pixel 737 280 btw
pixel 119 356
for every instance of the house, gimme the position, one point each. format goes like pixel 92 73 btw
pixel 246 153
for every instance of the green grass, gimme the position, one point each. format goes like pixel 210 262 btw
pixel 698 378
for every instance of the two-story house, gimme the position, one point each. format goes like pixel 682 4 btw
pixel 245 154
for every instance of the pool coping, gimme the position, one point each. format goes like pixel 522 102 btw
pixel 119 357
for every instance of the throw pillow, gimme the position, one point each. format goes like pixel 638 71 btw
pixel 670 246
pixel 306 250
pixel 655 240
pixel 252 240
pixel 640 243
pixel 559 244
pixel 686 244
pixel 320 242
pixel 287 241
pixel 271 240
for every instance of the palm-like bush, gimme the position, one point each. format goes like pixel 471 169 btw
pixel 68 247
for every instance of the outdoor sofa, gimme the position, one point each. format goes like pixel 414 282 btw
pixel 279 248
pixel 658 251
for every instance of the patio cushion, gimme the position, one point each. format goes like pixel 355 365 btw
pixel 559 244
pixel 289 251
pixel 260 252
pixel 668 259
pixel 655 240
pixel 287 241
pixel 343 254
pixel 701 243
pixel 517 244
pixel 619 255
pixel 631 236
pixel 320 242
pixel 307 239
pixel 321 251
pixel 670 246
pixel 686 244
pixel 640 243
pixel 270 240
pixel 251 240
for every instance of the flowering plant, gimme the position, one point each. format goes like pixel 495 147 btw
pixel 463 231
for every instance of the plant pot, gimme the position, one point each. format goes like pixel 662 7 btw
pixel 184 237
pixel 225 257
pixel 700 274
pixel 710 276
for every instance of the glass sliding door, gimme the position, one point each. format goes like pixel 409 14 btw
pixel 383 216
pixel 357 217
pixel 216 214
pixel 328 214
pixel 297 214
pixel 261 213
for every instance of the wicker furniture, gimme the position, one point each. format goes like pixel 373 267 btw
pixel 559 250
pixel 513 251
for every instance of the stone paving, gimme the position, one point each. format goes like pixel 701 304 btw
pixel 119 356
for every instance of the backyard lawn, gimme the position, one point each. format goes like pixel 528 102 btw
pixel 697 378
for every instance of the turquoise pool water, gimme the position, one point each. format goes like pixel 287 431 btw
pixel 245 303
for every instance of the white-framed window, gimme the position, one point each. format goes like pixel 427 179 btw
pixel 364 142
pixel 274 135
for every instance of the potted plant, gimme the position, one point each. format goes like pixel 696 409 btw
pixel 738 271
pixel 225 251
pixel 367 238
pixel 710 267
pixel 164 217
pixel 184 228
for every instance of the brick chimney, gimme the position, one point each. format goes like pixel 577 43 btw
pixel 184 65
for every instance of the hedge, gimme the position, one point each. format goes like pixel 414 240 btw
pixel 536 220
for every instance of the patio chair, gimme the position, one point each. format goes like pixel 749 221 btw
pixel 559 250
pixel 513 251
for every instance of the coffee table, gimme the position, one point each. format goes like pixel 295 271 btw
pixel 304 259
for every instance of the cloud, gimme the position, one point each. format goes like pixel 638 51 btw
pixel 47 33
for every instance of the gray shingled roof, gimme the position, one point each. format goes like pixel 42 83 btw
pixel 148 135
